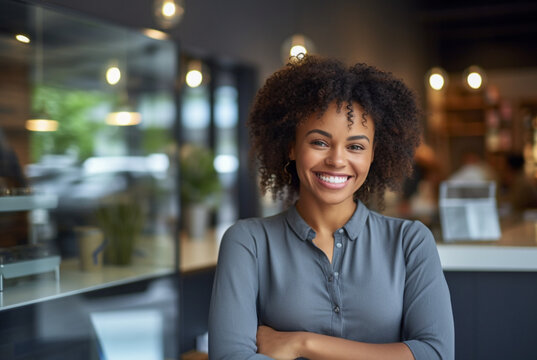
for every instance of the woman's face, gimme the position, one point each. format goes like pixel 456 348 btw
pixel 333 160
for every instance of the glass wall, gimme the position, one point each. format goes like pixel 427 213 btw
pixel 209 125
pixel 88 155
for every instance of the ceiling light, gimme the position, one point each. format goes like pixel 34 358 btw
pixel 126 117
pixel 296 47
pixel 155 34
pixel 22 38
pixel 169 12
pixel 113 75
pixel 474 77
pixel 194 76
pixel 42 125
pixel 437 78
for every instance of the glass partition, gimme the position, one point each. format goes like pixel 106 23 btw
pixel 87 154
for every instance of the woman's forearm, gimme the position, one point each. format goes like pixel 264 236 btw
pixel 320 347
pixel 290 345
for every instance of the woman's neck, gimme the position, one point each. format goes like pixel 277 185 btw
pixel 325 218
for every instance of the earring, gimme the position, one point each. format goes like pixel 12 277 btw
pixel 287 174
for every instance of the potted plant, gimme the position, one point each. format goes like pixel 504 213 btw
pixel 200 188
pixel 121 223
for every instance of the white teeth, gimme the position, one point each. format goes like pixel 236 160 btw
pixel 332 179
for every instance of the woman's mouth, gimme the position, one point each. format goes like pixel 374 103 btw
pixel 332 181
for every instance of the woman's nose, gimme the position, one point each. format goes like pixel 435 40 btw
pixel 335 157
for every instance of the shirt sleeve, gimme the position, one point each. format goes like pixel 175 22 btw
pixel 233 310
pixel 428 328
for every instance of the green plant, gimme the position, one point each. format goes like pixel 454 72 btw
pixel 73 110
pixel 199 179
pixel 121 223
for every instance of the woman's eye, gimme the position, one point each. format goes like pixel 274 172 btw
pixel 356 147
pixel 319 143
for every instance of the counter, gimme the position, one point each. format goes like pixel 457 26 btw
pixel 516 250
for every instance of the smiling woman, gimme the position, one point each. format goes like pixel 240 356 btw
pixel 328 278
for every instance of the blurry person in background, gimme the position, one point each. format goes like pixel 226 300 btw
pixel 473 169
pixel 521 190
pixel 419 198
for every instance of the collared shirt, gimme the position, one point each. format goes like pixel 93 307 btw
pixel 385 284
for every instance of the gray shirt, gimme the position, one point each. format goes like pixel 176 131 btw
pixel 385 284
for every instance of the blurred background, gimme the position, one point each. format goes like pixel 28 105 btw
pixel 124 156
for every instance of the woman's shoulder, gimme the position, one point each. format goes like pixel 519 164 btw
pixel 395 222
pixel 254 228
pixel 256 223
pixel 410 232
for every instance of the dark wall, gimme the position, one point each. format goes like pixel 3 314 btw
pixel 495 314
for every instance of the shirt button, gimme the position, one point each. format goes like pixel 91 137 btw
pixel 341 231
pixel 336 309
pixel 336 274
pixel 339 245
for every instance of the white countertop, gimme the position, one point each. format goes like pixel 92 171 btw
pixel 487 258
pixel 516 250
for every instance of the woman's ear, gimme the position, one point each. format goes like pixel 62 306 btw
pixel 292 156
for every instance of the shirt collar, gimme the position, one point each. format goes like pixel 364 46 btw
pixel 353 227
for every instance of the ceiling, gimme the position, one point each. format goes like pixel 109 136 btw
pixel 75 51
pixel 489 33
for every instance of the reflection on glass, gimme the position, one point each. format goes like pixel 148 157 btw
pixel 22 38
pixel 41 125
pixel 123 118
pixel 155 34
pixel 113 75
pixel 53 182
pixel 226 162
pixel 196 115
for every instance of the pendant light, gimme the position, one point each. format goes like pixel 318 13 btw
pixel 295 47
pixel 474 77
pixel 437 79
pixel 169 13
pixel 123 113
pixel 194 74
pixel 40 119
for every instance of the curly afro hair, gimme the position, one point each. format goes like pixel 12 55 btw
pixel 308 86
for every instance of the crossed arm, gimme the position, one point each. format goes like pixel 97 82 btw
pixel 291 345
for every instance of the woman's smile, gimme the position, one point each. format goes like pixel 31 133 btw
pixel 332 181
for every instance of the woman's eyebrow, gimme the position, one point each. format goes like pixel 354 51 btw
pixel 328 135
pixel 324 133
pixel 358 137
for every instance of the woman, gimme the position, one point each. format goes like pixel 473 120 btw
pixel 328 278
